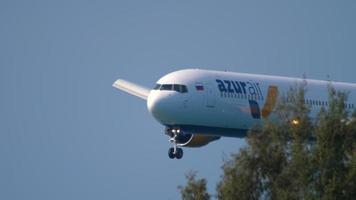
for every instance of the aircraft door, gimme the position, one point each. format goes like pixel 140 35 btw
pixel 210 96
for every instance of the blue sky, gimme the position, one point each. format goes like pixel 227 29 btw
pixel 65 133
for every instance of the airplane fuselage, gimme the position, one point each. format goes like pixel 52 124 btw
pixel 200 106
pixel 227 103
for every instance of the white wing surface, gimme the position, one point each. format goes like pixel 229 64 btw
pixel 132 88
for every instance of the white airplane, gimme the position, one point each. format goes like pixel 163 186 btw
pixel 200 106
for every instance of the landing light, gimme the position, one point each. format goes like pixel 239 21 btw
pixel 295 122
pixel 175 130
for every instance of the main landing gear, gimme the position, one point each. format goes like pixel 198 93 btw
pixel 174 152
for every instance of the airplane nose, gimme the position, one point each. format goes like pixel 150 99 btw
pixel 158 105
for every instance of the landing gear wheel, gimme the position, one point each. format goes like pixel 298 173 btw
pixel 171 153
pixel 179 153
pixel 174 152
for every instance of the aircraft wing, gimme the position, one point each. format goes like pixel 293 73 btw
pixel 132 88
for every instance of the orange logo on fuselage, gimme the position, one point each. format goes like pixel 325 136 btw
pixel 271 101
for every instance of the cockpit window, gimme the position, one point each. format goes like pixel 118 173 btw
pixel 172 87
pixel 157 87
pixel 180 88
pixel 176 87
pixel 183 89
pixel 166 87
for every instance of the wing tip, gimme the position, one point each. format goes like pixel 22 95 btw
pixel 131 88
pixel 117 82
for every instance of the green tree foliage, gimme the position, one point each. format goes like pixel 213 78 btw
pixel 334 153
pixel 195 188
pixel 295 157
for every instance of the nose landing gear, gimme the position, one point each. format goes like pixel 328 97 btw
pixel 174 152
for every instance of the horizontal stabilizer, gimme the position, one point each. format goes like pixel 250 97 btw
pixel 132 88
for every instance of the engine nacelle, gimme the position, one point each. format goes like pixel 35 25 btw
pixel 194 140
